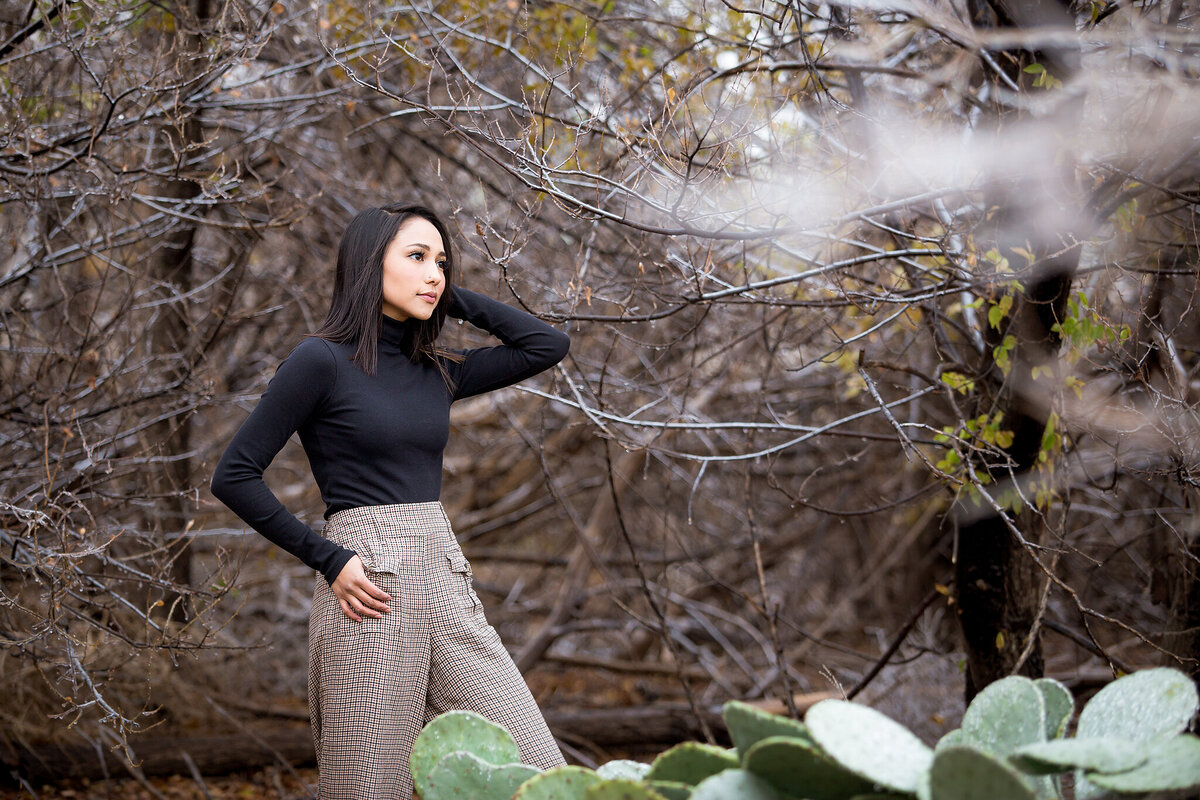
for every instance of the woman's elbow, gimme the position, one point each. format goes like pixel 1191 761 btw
pixel 561 346
pixel 224 482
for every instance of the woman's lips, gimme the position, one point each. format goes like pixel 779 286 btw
pixel 430 297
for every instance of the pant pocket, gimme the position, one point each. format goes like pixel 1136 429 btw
pixel 463 576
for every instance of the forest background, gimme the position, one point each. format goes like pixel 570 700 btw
pixel 884 367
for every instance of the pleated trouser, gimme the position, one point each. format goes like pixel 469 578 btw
pixel 372 685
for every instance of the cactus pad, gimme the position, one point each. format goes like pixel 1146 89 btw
pixel 951 738
pixel 672 790
pixel 748 724
pixel 461 774
pixel 622 789
pixel 1099 754
pixel 459 730
pixel 1006 715
pixel 1140 706
pixel 1058 705
pixel 623 768
pixel 869 744
pixel 797 768
pixel 690 763
pixel 734 783
pixel 1173 766
pixel 560 783
pixel 961 772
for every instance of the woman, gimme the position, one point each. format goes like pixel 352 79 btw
pixel 396 634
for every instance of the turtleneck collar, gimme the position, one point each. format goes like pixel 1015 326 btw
pixel 396 333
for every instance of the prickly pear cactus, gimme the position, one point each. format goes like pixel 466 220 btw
pixel 1006 715
pixel 869 744
pixel 560 783
pixel 459 730
pixel 961 772
pixel 951 738
pixel 622 789
pixel 735 784
pixel 748 724
pixel 798 768
pixel 1140 706
pixel 623 768
pixel 690 763
pixel 1100 754
pixel 1173 766
pixel 672 790
pixel 1058 705
pixel 462 774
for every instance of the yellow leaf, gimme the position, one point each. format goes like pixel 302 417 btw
pixel 1000 640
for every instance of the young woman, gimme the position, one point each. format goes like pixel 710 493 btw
pixel 396 634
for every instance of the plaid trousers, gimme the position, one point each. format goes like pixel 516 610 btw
pixel 372 685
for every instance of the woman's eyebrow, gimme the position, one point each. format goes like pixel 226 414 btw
pixel 425 247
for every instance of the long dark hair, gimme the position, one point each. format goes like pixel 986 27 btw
pixel 356 312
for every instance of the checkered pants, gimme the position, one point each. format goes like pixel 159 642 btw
pixel 373 684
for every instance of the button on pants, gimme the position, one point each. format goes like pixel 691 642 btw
pixel 372 685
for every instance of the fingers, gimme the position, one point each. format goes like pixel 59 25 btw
pixel 374 591
pixel 357 600
pixel 348 611
pixel 357 595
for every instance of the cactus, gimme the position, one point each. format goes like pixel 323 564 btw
pixel 734 784
pixel 1006 715
pixel 459 730
pixel 1099 754
pixel 748 725
pixel 623 768
pixel 1173 766
pixel 622 789
pixel 869 744
pixel 672 790
pixel 690 763
pixel 798 768
pixel 963 772
pixel 1137 707
pixel 560 783
pixel 953 737
pixel 461 774
pixel 1140 706
pixel 1058 704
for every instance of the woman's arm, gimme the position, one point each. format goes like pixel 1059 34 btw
pixel 530 345
pixel 300 385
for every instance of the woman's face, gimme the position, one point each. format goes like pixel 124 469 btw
pixel 413 280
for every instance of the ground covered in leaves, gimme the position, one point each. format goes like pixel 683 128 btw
pixel 271 783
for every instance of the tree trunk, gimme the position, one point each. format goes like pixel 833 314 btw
pixel 998 584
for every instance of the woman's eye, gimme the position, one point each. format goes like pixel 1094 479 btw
pixel 441 265
pixel 418 255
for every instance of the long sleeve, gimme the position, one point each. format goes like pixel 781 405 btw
pixel 529 345
pixel 301 383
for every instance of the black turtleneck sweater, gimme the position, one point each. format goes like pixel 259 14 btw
pixel 371 439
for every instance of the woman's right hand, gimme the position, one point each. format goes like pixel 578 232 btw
pixel 357 595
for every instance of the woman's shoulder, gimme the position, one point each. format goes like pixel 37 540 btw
pixel 313 356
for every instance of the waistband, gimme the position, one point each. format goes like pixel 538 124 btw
pixel 396 519
pixel 386 537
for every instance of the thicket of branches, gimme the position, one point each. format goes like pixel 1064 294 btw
pixel 882 317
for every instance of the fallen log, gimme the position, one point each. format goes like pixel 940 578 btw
pixel 661 724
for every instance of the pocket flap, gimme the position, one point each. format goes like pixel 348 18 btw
pixel 458 563
pixel 382 555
